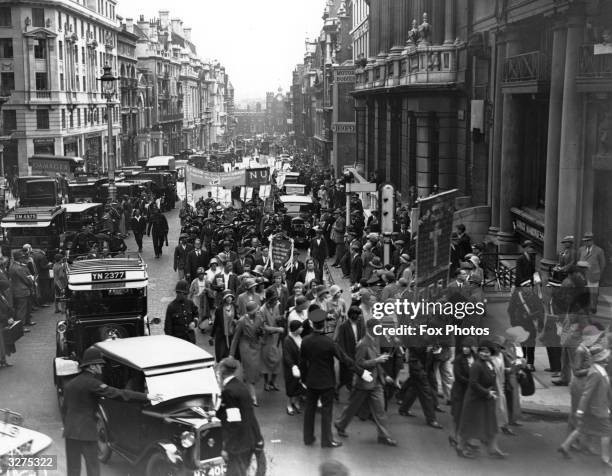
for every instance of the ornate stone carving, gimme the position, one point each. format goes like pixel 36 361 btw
pixel 413 33
pixel 424 30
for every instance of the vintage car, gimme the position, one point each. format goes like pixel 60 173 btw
pixel 41 226
pixel 106 298
pixel 18 443
pixel 299 210
pixel 179 435
pixel 81 214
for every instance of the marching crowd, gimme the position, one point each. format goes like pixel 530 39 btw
pixel 293 329
pixel 291 321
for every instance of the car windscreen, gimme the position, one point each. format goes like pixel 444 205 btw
pixel 187 383
pixel 109 301
pixel 297 208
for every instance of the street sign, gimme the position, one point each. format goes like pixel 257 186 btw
pixel 361 187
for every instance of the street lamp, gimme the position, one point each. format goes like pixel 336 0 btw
pixel 108 89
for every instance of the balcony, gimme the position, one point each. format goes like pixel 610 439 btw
pixel 594 70
pixel 170 117
pixel 42 94
pixel 527 73
pixel 418 67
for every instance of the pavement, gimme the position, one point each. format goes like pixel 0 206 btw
pixel 28 388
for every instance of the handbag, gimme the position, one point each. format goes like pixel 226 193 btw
pixel 12 333
pixel 526 382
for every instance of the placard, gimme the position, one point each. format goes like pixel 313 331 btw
pixel 435 226
pixel 281 250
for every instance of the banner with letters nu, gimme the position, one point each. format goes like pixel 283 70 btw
pixel 257 177
pixel 433 242
pixel 234 178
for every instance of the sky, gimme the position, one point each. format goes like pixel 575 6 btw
pixel 258 41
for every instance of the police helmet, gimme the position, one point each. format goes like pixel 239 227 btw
pixel 182 287
pixel 91 356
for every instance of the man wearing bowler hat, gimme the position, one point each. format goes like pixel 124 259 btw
pixel 594 255
pixel 317 370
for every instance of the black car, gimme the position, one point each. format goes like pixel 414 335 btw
pixel 299 209
pixel 181 435
pixel 105 299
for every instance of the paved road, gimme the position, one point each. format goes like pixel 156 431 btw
pixel 28 388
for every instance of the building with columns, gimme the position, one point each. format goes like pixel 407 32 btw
pixel 548 100
pixel 411 98
pixel 52 56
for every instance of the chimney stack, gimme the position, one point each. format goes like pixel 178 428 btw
pixel 177 26
pixel 187 32
pixel 129 25
pixel 144 25
pixel 164 18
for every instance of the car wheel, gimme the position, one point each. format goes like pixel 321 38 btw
pixel 104 450
pixel 158 465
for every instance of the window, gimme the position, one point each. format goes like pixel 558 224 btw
pixel 5 16
pixel 38 17
pixel 7 83
pixel 41 82
pixel 83 55
pixel 61 81
pixel 6 48
pixel 78 85
pixel 78 117
pixel 63 118
pixel 60 47
pixel 84 85
pixel 59 20
pixel 42 119
pixel 82 28
pixel 72 119
pixel 9 121
pixel 76 54
pixel 40 49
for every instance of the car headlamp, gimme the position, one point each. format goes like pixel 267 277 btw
pixel 187 439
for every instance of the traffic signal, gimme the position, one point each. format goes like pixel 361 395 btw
pixel 387 208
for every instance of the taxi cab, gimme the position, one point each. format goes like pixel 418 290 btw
pixel 179 435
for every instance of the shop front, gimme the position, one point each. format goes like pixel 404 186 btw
pixel 71 146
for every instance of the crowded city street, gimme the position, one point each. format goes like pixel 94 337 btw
pixel 27 388
pixel 311 238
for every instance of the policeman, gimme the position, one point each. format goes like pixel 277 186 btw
pixel 79 409
pixel 181 315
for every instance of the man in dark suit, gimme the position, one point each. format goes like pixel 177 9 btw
pixel 356 263
pixel 318 249
pixel 464 242
pixel 23 288
pixel 196 258
pixel 317 372
pixel 79 410
pixel 230 280
pixel 138 224
pixel 596 258
pixel 369 357
pixel 525 265
pixel 241 260
pixel 350 332
pixel 241 433
pixel 180 256
pixel 158 226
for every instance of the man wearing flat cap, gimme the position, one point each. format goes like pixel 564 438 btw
pixel 317 370
pixel 566 259
pixel 241 432
pixel 594 255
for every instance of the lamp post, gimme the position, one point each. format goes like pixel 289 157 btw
pixel 108 88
